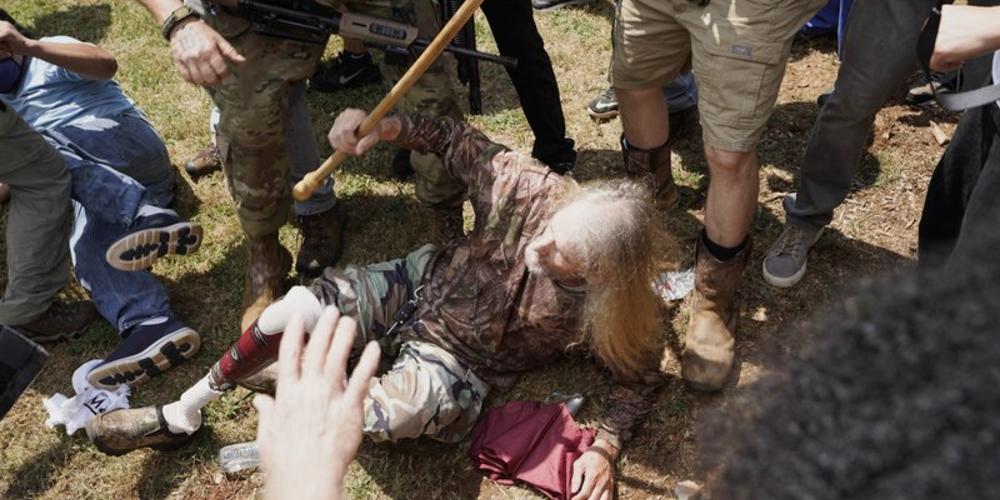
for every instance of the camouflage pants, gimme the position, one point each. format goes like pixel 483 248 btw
pixel 433 95
pixel 253 104
pixel 426 392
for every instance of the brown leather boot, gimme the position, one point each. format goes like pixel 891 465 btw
pixel 267 269
pixel 322 241
pixel 709 349
pixel 204 162
pixel 654 166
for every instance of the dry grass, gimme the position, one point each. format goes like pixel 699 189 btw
pixel 873 232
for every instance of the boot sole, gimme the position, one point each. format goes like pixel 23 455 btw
pixel 159 357
pixel 790 281
pixel 607 115
pixel 182 238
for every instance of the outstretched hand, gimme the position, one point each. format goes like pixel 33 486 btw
pixel 310 431
pixel 343 136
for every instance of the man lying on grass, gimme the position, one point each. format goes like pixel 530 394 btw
pixel 551 269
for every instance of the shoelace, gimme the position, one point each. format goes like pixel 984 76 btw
pixel 791 242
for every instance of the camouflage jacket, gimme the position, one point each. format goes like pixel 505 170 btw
pixel 480 301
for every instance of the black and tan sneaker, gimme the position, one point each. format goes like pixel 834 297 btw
pixel 556 4
pixel 121 431
pixel 204 162
pixel 147 351
pixel 322 241
pixel 151 237
pixel 347 70
pixel 604 106
pixel 62 320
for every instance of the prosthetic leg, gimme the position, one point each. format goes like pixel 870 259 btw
pixel 122 431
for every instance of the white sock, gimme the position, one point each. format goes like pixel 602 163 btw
pixel 184 415
pixel 147 210
pixel 159 320
pixel 298 300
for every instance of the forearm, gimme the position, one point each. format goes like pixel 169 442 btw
pixel 986 31
pixel 88 60
pixel 965 33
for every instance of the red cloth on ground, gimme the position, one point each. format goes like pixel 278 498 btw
pixel 531 442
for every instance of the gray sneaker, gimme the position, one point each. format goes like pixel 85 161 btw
pixel 785 262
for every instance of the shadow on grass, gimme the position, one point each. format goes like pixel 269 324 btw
pixel 163 473
pixel 403 470
pixel 84 22
pixel 34 477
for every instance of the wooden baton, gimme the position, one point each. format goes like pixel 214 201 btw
pixel 313 180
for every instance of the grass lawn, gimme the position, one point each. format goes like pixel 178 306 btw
pixel 874 232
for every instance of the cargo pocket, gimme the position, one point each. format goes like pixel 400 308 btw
pixel 739 79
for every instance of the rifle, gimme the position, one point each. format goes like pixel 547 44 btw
pixel 468 67
pixel 309 22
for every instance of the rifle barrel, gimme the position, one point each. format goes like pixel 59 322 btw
pixel 509 62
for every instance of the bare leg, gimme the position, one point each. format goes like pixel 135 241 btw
pixel 644 117
pixel 732 195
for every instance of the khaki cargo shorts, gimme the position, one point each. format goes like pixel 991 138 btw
pixel 737 50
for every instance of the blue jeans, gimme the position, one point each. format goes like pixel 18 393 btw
pixel 302 153
pixel 117 164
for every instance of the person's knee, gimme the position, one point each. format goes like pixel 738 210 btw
pixel 724 162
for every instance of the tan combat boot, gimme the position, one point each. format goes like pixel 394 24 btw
pixel 204 162
pixel 653 165
pixel 711 335
pixel 267 269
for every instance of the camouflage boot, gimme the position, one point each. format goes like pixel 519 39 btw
pixel 322 241
pixel 711 334
pixel 269 263
pixel 121 431
pixel 654 166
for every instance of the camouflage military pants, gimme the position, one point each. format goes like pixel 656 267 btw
pixel 434 94
pixel 253 121
pixel 426 391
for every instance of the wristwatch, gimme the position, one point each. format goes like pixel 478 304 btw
pixel 181 13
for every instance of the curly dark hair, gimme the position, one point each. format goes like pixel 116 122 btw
pixel 898 399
